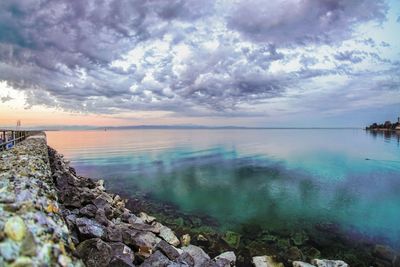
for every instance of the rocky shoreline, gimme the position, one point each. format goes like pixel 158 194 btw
pixel 51 216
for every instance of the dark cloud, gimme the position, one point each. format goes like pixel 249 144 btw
pixel 302 22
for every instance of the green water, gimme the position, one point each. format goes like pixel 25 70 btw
pixel 292 179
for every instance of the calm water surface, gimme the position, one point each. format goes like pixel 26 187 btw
pixel 270 178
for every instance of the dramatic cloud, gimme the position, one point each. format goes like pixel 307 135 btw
pixel 303 21
pixel 192 58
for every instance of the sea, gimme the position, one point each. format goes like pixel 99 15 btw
pixel 342 182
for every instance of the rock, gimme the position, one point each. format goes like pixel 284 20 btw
pixel 146 218
pixel 167 234
pixel 232 239
pixel 299 238
pixel 226 259
pixel 168 250
pixel 52 208
pixel 101 201
pixel 22 262
pixel 198 255
pixel 6 196
pixel 384 252
pixel 95 252
pixel 312 253
pixel 144 240
pixel 145 227
pixel 329 263
pixel 294 253
pixel 201 237
pixel 396 261
pixel 202 240
pixel 127 234
pixel 302 264
pixel 185 259
pixel 101 217
pixel 113 234
pixel 122 255
pixel 185 240
pixel 15 228
pixel 64 261
pixel 265 261
pixel 9 250
pixel 283 243
pixel 90 228
pixel 156 259
pixel 28 246
pixel 88 210
pixel 118 262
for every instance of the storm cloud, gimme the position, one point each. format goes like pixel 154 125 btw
pixel 187 57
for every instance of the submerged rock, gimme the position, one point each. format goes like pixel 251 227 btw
pixel 299 238
pixel 232 239
pixel 384 252
pixel 294 253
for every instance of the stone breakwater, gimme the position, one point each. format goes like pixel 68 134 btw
pixel 32 229
pixel 50 216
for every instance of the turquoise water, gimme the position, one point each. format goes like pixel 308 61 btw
pixel 270 178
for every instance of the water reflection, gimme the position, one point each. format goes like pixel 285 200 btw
pixel 270 179
pixel 388 136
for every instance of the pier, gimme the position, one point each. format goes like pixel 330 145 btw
pixel 9 138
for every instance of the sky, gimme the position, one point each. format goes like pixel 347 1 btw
pixel 264 63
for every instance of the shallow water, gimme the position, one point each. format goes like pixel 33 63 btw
pixel 275 178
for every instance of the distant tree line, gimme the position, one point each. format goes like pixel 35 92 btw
pixel 388 125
